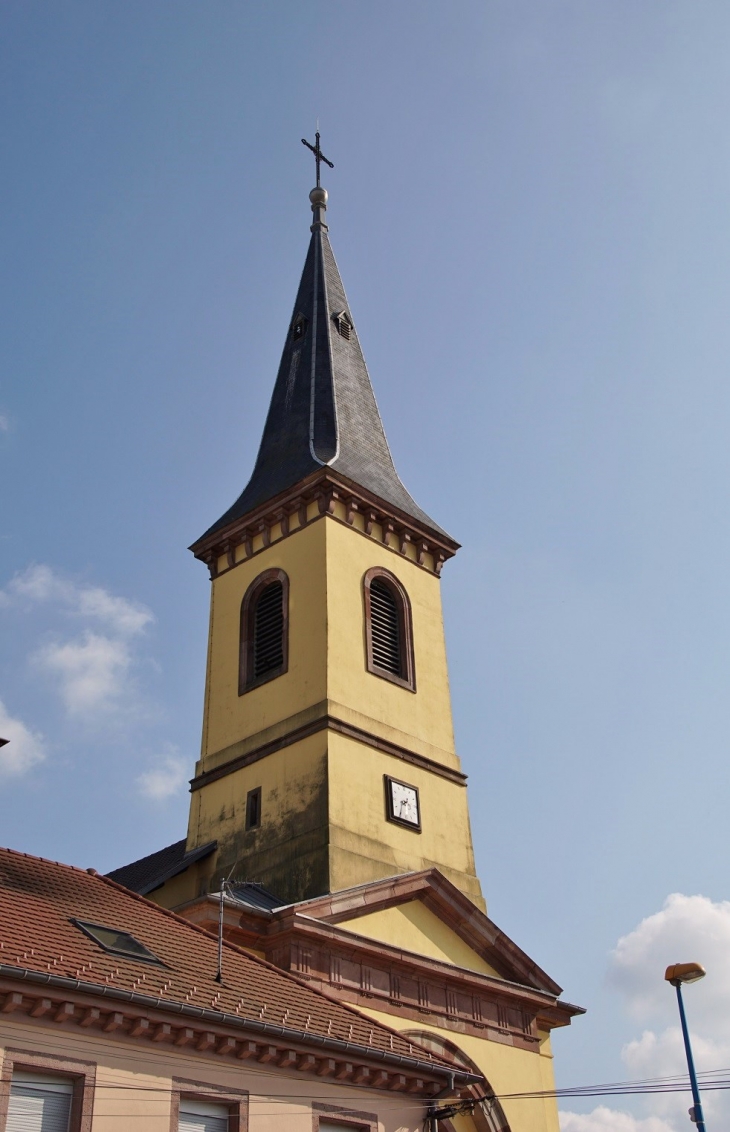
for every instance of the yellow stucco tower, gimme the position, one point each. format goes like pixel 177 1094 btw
pixel 328 788
pixel 331 761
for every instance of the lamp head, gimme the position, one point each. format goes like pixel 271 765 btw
pixel 684 973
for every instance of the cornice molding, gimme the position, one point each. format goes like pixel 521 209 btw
pixel 448 903
pixel 327 489
pixel 52 999
pixel 306 939
pixel 329 723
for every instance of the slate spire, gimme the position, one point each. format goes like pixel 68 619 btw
pixel 323 411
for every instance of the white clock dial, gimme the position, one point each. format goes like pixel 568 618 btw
pixel 404 800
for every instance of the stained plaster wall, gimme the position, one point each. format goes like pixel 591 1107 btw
pixel 323 824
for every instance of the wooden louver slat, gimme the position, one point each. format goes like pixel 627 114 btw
pixel 268 631
pixel 385 628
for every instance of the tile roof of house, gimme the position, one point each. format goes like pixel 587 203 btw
pixel 150 872
pixel 40 898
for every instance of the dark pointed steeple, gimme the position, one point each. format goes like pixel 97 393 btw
pixel 323 412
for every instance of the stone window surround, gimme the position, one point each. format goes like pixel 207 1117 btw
pixel 81 1073
pixel 236 1100
pixel 360 1121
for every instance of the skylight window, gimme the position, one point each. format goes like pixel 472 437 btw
pixel 117 942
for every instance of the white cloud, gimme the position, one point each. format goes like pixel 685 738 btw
pixel 167 776
pixel 92 670
pixel 40 583
pixel 4 423
pixel 686 928
pixel 604 1119
pixel 25 748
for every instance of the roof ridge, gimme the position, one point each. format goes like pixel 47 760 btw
pixel 45 860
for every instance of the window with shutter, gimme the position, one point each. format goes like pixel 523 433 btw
pixel 385 627
pixel 264 630
pixel 389 638
pixel 199 1116
pixel 39 1103
pixel 268 631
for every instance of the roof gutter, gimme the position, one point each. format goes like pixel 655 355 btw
pixel 336 1045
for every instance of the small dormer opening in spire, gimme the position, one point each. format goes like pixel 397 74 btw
pixel 343 322
pixel 299 327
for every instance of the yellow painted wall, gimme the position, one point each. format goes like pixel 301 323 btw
pixel 422 718
pixel 289 851
pixel 325 563
pixel 508 1070
pixel 365 846
pixel 413 927
pixel 230 718
pixel 323 824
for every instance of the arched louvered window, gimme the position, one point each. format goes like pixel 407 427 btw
pixel 388 633
pixel 264 630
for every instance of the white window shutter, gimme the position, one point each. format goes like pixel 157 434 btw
pixel 39 1104
pixel 199 1116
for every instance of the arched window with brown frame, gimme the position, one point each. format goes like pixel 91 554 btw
pixel 388 629
pixel 264 649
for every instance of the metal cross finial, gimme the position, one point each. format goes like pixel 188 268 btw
pixel 319 157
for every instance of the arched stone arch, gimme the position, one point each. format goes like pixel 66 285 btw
pixel 486 1117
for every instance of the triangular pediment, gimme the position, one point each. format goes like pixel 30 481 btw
pixel 424 913
pixel 414 927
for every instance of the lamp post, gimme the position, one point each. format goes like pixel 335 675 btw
pixel 677 974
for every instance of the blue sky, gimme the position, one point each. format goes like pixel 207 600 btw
pixel 530 211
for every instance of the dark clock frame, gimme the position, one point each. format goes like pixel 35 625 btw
pixel 388 781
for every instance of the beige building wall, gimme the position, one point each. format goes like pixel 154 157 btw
pixel 133 1085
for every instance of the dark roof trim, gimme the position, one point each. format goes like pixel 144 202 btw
pixel 427 1068
pixel 183 863
pixel 309 488
pixel 189 859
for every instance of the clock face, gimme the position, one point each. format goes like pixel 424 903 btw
pixel 403 803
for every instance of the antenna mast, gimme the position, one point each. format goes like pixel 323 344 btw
pixel 224 887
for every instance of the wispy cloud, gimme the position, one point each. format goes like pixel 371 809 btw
pixel 94 668
pixel 687 927
pixel 25 748
pixel 40 583
pixel 92 671
pixel 604 1119
pixel 4 423
pixel 166 777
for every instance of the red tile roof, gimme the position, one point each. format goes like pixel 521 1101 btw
pixel 39 898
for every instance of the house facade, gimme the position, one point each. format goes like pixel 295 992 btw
pixel 118 1014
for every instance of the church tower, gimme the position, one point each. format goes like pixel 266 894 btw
pixel 328 788
pixel 328 754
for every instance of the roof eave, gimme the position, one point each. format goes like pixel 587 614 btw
pixel 434 1071
pixel 325 486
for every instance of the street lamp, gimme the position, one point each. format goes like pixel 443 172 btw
pixel 677 974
